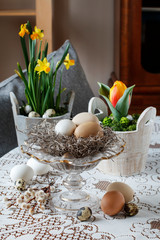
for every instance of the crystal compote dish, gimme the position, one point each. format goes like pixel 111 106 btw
pixel 72 157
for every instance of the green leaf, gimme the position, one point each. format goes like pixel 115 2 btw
pixel 39 52
pixel 25 53
pixel 104 89
pixel 115 112
pixel 26 86
pixel 45 101
pixel 33 49
pixel 122 105
pixel 58 98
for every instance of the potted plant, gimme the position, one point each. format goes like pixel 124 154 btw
pixel 40 80
pixel 134 129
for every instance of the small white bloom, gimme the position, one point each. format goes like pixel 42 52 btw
pixel 5 199
pixel 19 200
pixel 27 109
pixel 31 211
pixel 28 206
pixel 23 205
pixel 42 207
pixel 8 204
pixel 52 188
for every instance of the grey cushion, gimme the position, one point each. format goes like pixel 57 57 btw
pixel 73 79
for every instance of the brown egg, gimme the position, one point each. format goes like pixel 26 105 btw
pixel 67 155
pixel 84 117
pixel 125 189
pixel 112 202
pixel 87 129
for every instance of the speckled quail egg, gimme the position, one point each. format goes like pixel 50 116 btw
pixel 49 113
pixel 131 209
pixel 20 185
pixel 33 114
pixel 84 213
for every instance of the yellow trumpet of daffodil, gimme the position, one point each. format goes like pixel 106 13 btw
pixel 68 62
pixel 42 66
pixel 23 30
pixel 37 34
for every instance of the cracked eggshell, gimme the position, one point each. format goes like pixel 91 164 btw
pixel 84 117
pixel 22 171
pixel 38 167
pixel 124 188
pixel 65 127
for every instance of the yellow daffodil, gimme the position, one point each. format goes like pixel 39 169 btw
pixel 68 62
pixel 23 30
pixel 37 34
pixel 42 66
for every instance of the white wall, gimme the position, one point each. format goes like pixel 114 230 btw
pixel 89 26
pixel 87 23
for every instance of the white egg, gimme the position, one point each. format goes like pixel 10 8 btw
pixel 22 171
pixel 38 167
pixel 65 127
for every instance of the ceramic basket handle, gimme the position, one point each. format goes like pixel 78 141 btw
pixel 96 103
pixel 146 116
pixel 15 104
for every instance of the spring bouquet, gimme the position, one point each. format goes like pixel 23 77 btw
pixel 40 80
pixel 118 98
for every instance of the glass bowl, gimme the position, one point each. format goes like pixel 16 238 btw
pixel 74 197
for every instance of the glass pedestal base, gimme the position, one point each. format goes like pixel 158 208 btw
pixel 69 202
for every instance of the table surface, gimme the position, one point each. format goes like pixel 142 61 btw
pixel 16 223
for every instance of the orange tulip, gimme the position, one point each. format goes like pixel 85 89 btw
pixel 116 92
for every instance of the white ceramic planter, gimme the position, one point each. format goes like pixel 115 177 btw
pixel 132 160
pixel 23 124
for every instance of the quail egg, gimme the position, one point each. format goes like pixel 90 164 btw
pixel 84 213
pixel 33 114
pixel 20 185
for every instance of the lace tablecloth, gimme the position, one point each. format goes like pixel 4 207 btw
pixel 16 223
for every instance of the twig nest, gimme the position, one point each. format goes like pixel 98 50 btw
pixel 84 213
pixel 27 109
pixel 112 203
pixel 33 114
pixel 21 171
pixel 85 117
pixel 20 185
pixel 65 127
pixel 49 113
pixel 131 209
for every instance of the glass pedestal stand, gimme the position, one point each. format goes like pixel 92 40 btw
pixel 74 198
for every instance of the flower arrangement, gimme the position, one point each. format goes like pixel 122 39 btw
pixel 41 78
pixel 118 98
